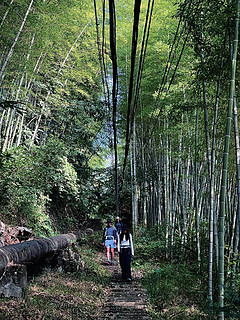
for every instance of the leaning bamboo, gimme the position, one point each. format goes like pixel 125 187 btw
pixel 6 13
pixel 15 40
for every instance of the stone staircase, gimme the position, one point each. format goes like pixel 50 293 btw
pixel 124 300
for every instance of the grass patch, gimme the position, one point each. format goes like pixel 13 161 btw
pixel 56 295
pixel 175 290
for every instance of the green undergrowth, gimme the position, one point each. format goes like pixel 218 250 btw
pixel 89 251
pixel 55 294
pixel 176 287
pixel 175 290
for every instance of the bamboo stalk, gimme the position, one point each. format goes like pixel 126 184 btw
pixel 15 40
pixel 225 166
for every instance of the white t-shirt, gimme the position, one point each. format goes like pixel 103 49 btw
pixel 126 243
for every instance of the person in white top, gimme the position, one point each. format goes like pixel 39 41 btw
pixel 126 251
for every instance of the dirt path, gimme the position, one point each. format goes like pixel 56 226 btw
pixel 124 300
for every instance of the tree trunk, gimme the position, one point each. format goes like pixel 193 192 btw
pixel 135 188
pixel 166 186
pixel 225 166
pixel 212 194
pixel 236 235
pixel 196 187
pixel 112 20
pixel 32 251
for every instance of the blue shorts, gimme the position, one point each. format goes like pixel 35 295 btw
pixel 110 243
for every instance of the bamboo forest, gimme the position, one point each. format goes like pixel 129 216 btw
pixel 129 109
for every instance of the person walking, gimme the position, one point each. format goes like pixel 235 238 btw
pixel 118 225
pixel 109 240
pixel 126 251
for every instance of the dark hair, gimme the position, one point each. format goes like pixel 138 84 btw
pixel 126 234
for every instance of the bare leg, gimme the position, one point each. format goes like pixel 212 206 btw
pixel 108 253
pixel 112 253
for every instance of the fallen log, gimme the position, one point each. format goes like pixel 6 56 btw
pixel 33 250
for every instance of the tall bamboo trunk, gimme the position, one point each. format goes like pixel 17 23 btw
pixel 176 191
pixel 166 187
pixel 236 235
pixel 134 182
pixel 196 187
pixel 144 183
pixel 212 194
pixel 225 165
pixel 160 218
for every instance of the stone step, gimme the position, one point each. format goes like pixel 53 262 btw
pixel 128 317
pixel 114 300
pixel 124 300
